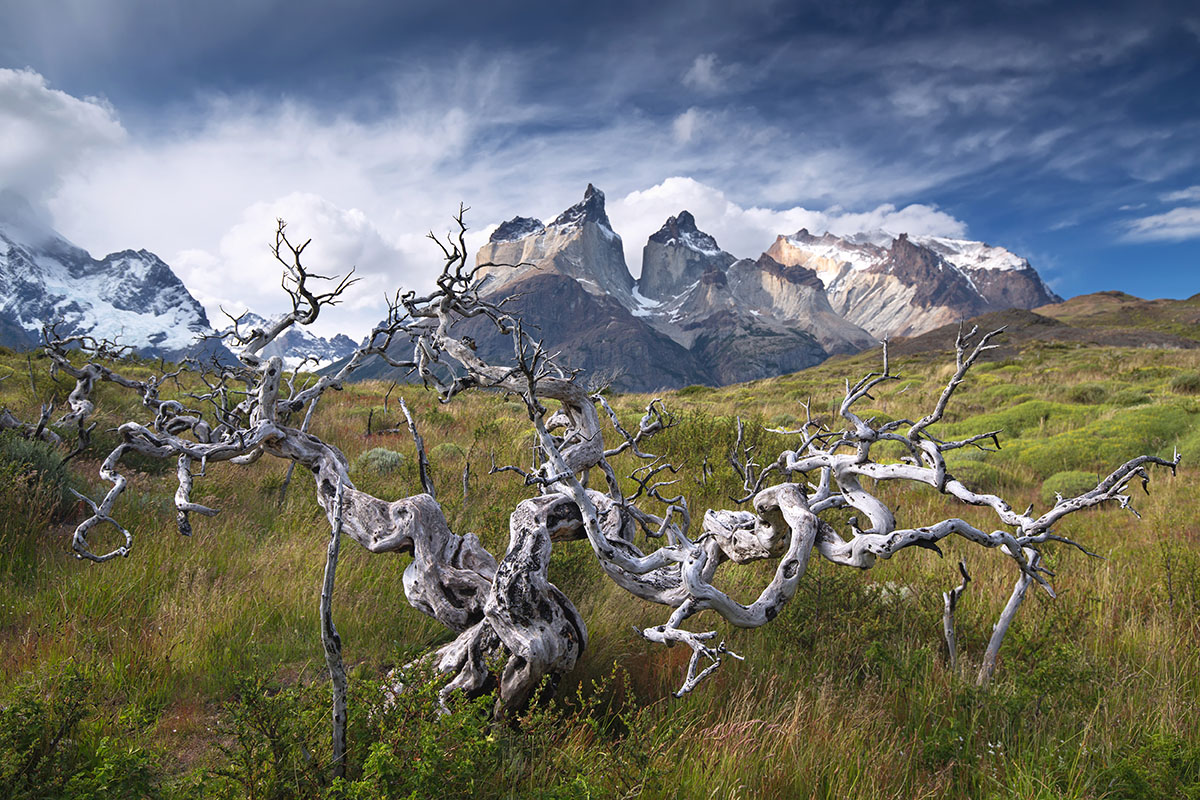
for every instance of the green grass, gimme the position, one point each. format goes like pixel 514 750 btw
pixel 194 666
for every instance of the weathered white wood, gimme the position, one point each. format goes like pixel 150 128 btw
pixel 949 605
pixel 988 667
pixel 332 642
pixel 507 612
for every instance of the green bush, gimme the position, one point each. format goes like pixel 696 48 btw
pixel 1017 419
pixel 446 451
pixel 1104 443
pixel 694 390
pixel 379 460
pixel 45 751
pixel 1164 767
pixel 35 478
pixel 1069 483
pixel 1185 383
pixel 980 476
pixel 1088 394
pixel 1129 397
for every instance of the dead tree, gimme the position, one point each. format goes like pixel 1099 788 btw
pixel 506 611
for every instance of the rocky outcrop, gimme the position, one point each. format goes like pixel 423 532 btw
pixel 795 296
pixel 739 340
pixel 580 243
pixel 676 256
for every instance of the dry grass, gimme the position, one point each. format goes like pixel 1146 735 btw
pixel 846 694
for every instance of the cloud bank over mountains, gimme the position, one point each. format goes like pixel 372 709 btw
pixel 366 192
pixel 1066 130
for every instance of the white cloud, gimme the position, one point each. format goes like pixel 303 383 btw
pixel 707 74
pixel 746 232
pixel 205 196
pixel 342 239
pixel 202 189
pixel 686 124
pixel 45 133
pixel 1190 194
pixel 1176 225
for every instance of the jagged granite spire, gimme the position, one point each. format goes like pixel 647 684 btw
pixel 676 256
pixel 590 209
pixel 682 229
pixel 590 253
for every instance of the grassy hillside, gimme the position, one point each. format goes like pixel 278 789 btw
pixel 193 668
pixel 1117 310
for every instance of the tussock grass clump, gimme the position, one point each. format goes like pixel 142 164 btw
pixel 447 451
pixel 1090 393
pixel 380 461
pixel 32 476
pixel 1129 397
pixel 1185 383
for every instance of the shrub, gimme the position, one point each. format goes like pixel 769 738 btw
pixel 379 460
pixel 446 451
pixel 45 753
pixel 1103 443
pixel 1166 766
pixel 1069 483
pixel 1089 394
pixel 979 475
pixel 35 478
pixel 1185 383
pixel 1129 397
pixel 693 390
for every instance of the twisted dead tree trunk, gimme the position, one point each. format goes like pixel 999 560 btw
pixel 506 611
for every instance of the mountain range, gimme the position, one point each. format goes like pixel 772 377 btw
pixel 696 314
pixel 699 314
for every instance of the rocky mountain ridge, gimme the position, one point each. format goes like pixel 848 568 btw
pixel 804 299
pixel 905 286
pixel 696 314
pixel 300 348
pixel 131 297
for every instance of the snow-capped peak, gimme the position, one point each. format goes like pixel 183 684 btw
pixel 681 230
pixel 966 254
pixel 297 346
pixel 590 209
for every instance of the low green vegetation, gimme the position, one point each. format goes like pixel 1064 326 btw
pixel 193 668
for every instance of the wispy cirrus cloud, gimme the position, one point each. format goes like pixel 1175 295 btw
pixel 1190 194
pixel 1177 225
pixel 783 115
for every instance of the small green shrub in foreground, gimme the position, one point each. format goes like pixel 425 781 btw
pixel 33 474
pixel 46 750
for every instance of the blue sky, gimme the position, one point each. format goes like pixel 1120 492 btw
pixel 1069 133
